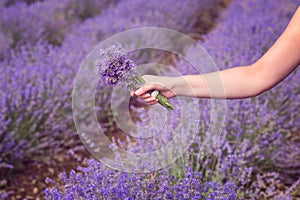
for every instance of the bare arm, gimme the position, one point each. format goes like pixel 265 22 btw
pixel 239 82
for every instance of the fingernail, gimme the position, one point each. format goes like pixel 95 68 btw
pixel 138 92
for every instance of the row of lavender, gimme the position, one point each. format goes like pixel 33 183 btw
pixel 35 79
pixel 274 112
pixel 47 21
pixel 42 46
pixel 258 156
pixel 262 143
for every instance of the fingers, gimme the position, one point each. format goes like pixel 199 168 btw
pixel 151 100
pixel 132 93
pixel 142 93
pixel 144 89
pixel 143 96
pixel 147 98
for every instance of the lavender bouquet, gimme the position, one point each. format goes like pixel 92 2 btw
pixel 116 69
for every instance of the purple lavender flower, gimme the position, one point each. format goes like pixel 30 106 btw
pixel 116 69
pixel 36 85
pixel 98 182
pixel 51 21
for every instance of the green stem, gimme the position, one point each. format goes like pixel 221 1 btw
pixel 162 100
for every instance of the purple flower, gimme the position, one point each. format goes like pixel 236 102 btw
pixel 261 149
pixel 114 66
pixel 116 69
pixel 98 182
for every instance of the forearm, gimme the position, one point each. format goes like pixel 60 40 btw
pixel 238 82
pixel 242 82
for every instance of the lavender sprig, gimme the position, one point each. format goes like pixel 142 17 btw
pixel 116 69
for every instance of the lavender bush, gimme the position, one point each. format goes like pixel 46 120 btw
pixel 257 128
pixel 155 14
pixel 99 182
pixel 260 132
pixel 42 46
pixel 41 50
pixel 32 103
pixel 45 21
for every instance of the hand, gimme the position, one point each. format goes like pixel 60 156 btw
pixel 159 83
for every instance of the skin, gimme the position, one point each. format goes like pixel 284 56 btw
pixel 238 82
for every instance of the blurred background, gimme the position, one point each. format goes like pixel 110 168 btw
pixel 43 43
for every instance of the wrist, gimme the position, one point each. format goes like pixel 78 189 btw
pixel 189 85
pixel 179 86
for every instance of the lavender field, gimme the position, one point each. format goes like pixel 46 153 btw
pixel 42 45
